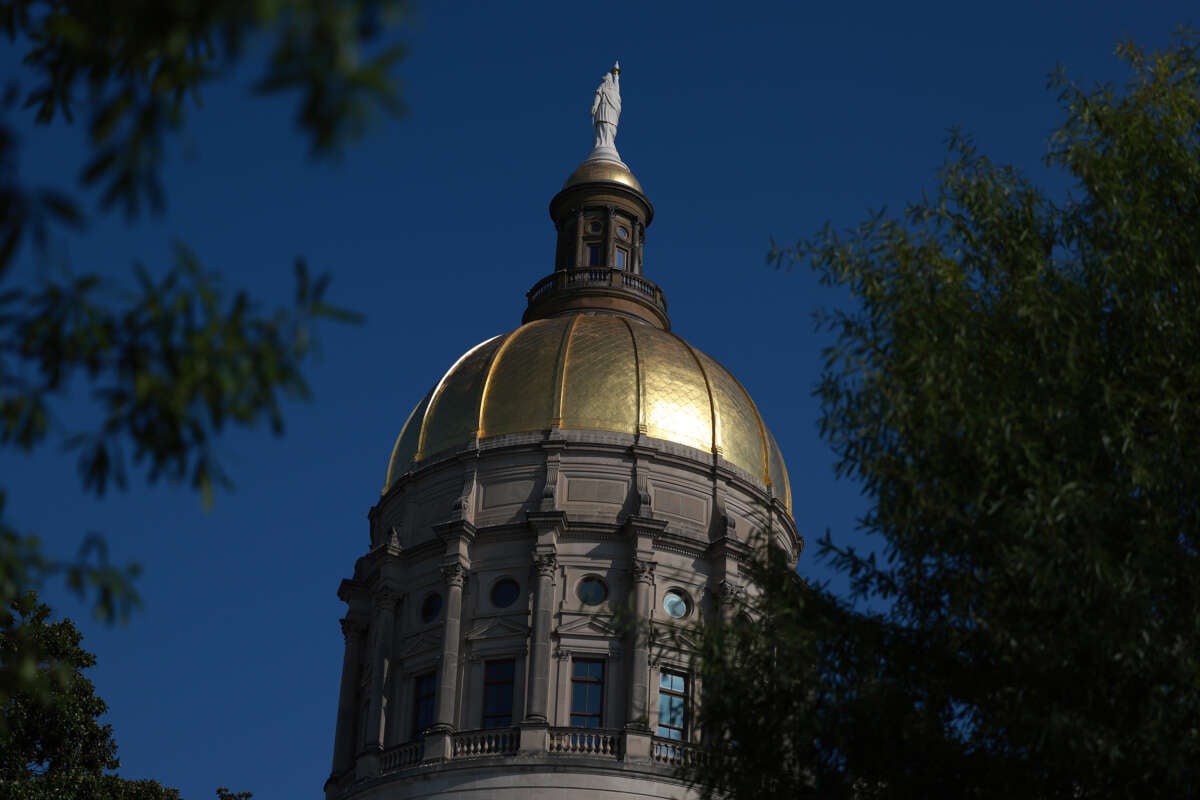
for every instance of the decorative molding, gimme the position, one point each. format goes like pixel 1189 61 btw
pixel 727 592
pixel 454 574
pixel 590 625
pixel 544 564
pixel 385 598
pixel 643 571
pixel 352 627
pixel 495 627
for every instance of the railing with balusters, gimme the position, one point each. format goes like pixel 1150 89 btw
pixel 675 753
pixel 586 742
pixel 402 757
pixel 579 742
pixel 566 279
pixel 500 741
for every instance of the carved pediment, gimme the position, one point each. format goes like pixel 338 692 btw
pixel 497 627
pixel 587 626
pixel 430 640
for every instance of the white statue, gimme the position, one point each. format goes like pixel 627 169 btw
pixel 606 112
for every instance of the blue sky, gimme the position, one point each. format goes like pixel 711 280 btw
pixel 743 122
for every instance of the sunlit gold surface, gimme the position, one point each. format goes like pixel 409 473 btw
pixel 601 373
pixel 590 171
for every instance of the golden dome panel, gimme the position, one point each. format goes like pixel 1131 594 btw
pixel 592 372
pixel 594 395
pixel 594 170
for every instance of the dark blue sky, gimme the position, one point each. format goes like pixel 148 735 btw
pixel 742 121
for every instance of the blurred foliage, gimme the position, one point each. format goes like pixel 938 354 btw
pixel 1016 387
pixel 170 357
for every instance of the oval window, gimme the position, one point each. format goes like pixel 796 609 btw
pixel 676 604
pixel 594 227
pixel 592 591
pixel 431 608
pixel 623 233
pixel 505 592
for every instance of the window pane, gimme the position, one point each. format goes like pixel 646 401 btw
pixel 505 592
pixel 498 671
pixel 621 256
pixel 672 705
pixel 587 693
pixel 424 692
pixel 498 693
pixel 593 255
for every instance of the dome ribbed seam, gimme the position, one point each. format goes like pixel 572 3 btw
pixel 641 385
pixel 437 393
pixel 560 365
pixel 713 411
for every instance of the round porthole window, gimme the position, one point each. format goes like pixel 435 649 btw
pixel 431 608
pixel 623 233
pixel 676 604
pixel 594 227
pixel 505 592
pixel 592 591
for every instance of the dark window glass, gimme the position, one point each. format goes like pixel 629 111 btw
pixel 431 608
pixel 505 592
pixel 622 257
pixel 672 706
pixel 424 693
pixel 592 591
pixel 498 693
pixel 587 693
pixel 594 227
pixel 593 255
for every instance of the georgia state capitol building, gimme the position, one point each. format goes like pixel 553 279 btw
pixel 587 462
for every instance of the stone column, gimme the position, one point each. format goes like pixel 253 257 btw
pixel 538 689
pixel 610 238
pixel 637 714
pixel 343 745
pixel 579 233
pixel 385 623
pixel 455 576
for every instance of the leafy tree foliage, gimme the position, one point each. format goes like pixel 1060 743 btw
pixel 169 362
pixel 1017 390
pixel 53 745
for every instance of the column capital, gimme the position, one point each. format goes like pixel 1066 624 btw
pixel 728 593
pixel 643 571
pixel 351 627
pixel 545 564
pixel 386 597
pixel 454 574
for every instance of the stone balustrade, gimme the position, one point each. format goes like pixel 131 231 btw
pixel 585 742
pixel 675 753
pixel 406 755
pixel 596 277
pixel 596 743
pixel 471 744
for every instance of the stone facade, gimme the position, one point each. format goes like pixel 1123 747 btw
pixel 549 511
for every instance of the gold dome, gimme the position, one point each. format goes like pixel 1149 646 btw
pixel 601 373
pixel 600 169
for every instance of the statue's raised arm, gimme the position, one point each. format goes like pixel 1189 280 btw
pixel 606 113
